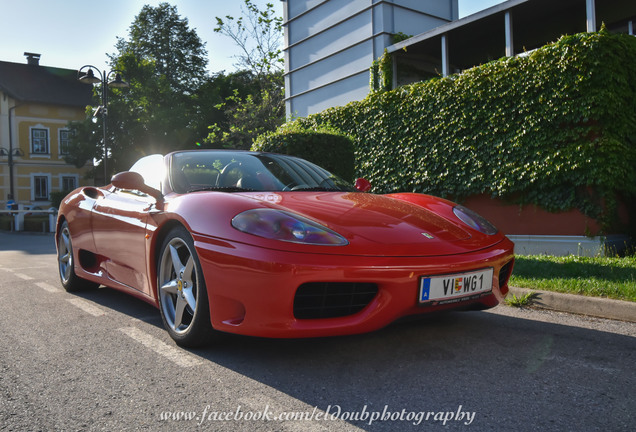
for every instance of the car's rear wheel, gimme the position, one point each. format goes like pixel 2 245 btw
pixel 181 290
pixel 65 261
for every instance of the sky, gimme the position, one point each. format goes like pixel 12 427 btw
pixel 73 33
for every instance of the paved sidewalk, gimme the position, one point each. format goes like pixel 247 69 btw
pixel 28 242
pixel 583 305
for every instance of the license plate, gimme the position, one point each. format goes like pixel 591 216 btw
pixel 455 287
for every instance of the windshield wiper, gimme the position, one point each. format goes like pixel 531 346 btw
pixel 220 189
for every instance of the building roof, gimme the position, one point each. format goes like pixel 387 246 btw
pixel 480 37
pixel 43 84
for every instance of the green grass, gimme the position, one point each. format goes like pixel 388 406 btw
pixel 599 277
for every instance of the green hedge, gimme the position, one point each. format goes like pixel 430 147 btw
pixel 5 222
pixel 556 128
pixel 33 223
pixel 324 146
pixel 36 223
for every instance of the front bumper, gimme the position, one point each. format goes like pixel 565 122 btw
pixel 252 289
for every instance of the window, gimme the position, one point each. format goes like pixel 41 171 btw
pixel 65 141
pixel 39 141
pixel 68 183
pixel 41 188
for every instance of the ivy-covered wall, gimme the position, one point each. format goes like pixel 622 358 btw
pixel 555 128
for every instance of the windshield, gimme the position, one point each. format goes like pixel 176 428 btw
pixel 233 171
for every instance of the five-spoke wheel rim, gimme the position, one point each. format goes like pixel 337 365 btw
pixel 65 255
pixel 178 285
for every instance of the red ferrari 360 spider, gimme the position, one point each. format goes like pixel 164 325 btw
pixel 272 245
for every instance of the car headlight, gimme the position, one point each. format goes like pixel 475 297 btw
pixel 279 225
pixel 474 221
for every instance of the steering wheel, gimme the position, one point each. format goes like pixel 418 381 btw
pixel 222 178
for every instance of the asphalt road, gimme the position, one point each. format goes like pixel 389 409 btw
pixel 100 360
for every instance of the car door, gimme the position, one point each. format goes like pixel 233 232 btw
pixel 119 232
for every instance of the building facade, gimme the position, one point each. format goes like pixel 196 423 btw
pixel 330 45
pixel 511 28
pixel 36 105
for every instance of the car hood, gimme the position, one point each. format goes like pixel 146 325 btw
pixel 379 225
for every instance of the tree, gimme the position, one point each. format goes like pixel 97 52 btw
pixel 258 34
pixel 161 35
pixel 218 98
pixel 164 63
pixel 248 117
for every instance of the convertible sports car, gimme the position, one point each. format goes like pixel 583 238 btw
pixel 272 245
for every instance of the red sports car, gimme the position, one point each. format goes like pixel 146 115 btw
pixel 272 245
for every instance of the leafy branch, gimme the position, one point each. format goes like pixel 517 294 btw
pixel 258 35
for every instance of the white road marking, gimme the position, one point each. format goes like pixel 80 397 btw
pixel 23 276
pixel 48 287
pixel 24 268
pixel 180 357
pixel 87 307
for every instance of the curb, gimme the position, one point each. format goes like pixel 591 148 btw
pixel 582 305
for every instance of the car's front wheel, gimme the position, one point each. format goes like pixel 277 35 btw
pixel 181 290
pixel 65 263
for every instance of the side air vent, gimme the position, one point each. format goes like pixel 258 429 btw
pixel 504 274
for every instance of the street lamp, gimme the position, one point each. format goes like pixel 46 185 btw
pixel 10 153
pixel 89 77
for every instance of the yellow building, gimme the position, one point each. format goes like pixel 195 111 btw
pixel 36 104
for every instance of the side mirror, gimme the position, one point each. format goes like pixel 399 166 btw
pixel 363 185
pixel 134 181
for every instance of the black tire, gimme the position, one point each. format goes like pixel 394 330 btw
pixel 66 263
pixel 181 291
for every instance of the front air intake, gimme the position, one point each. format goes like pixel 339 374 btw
pixel 317 300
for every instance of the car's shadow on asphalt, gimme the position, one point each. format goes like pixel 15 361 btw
pixel 478 360
pixel 121 302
